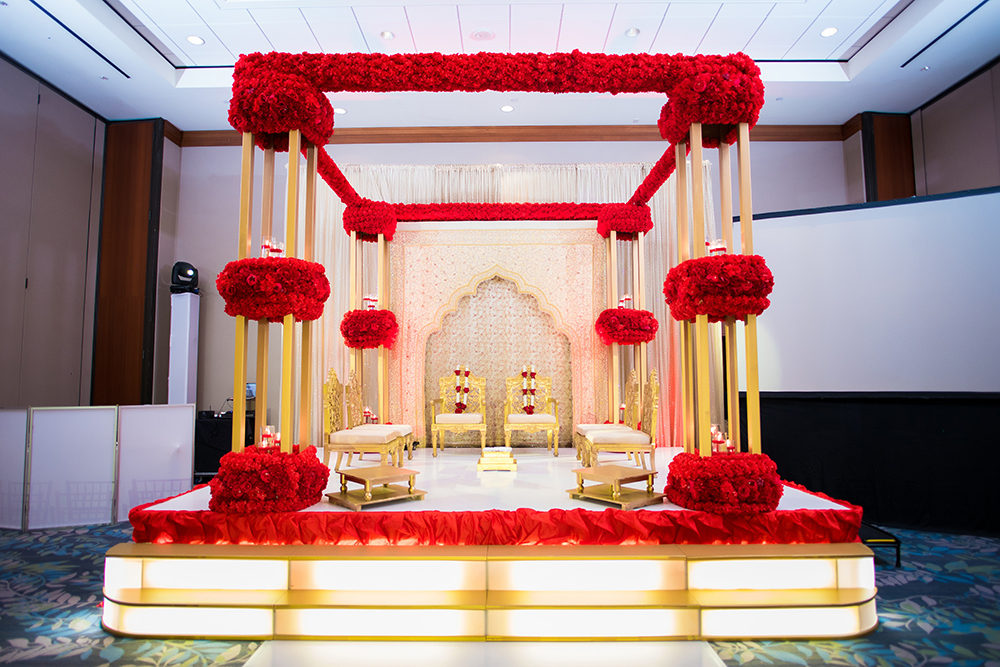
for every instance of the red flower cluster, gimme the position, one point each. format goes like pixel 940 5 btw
pixel 713 90
pixel 368 329
pixel 738 483
pixel 369 219
pixel 628 220
pixel 626 326
pixel 271 97
pixel 268 288
pixel 253 481
pixel 719 286
pixel 474 211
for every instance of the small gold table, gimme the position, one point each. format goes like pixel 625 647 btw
pixel 372 494
pixel 497 458
pixel 610 488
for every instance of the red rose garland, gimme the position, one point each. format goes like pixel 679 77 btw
pixel 626 326
pixel 255 481
pixel 739 483
pixel 719 286
pixel 461 390
pixel 368 329
pixel 277 92
pixel 269 288
pixel 528 389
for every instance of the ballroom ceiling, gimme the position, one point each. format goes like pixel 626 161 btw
pixel 822 61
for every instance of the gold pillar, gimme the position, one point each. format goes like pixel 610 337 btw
pixel 287 423
pixel 263 326
pixel 615 397
pixel 702 387
pixel 383 302
pixel 308 254
pixel 750 328
pixel 242 326
pixel 686 333
pixel 732 359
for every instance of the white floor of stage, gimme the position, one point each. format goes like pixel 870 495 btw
pixel 540 482
pixel 485 654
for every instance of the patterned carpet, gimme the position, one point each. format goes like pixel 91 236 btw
pixel 942 607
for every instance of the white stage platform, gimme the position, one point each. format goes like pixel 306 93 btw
pixel 540 482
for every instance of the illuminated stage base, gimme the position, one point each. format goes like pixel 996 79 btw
pixel 489 591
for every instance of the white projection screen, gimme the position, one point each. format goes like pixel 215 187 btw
pixel 156 453
pixel 72 466
pixel 901 298
pixel 13 441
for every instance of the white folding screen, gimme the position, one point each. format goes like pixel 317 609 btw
pixel 156 453
pixel 13 441
pixel 72 466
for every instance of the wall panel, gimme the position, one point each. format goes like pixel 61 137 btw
pixel 57 253
pixel 18 110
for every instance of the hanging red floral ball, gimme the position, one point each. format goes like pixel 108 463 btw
pixel 626 326
pixel 627 220
pixel 368 329
pixel 269 288
pixel 719 286
pixel 369 219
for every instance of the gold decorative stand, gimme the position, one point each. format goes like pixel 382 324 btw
pixel 610 490
pixel 373 493
pixel 497 458
pixel 694 334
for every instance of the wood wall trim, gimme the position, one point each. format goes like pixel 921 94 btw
pixel 171 132
pixel 851 127
pixel 521 133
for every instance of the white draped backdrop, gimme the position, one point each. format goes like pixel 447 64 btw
pixel 599 183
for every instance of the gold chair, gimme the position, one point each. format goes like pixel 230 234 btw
pixel 545 416
pixel 472 418
pixel 631 419
pixel 639 442
pixel 385 440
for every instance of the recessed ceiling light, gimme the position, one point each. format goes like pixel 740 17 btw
pixel 778 99
pixel 339 111
pixel 387 34
pixel 925 69
pixel 829 32
pixel 196 40
pixel 506 108
pixel 483 35
pixel 632 32
pixel 104 78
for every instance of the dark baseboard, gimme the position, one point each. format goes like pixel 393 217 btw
pixel 927 461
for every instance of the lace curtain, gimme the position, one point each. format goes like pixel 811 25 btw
pixel 601 183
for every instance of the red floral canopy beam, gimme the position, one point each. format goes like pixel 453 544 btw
pixel 277 92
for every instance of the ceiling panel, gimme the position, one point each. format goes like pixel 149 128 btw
pixel 169 12
pixel 212 52
pixel 286 29
pixel 851 41
pixel 534 28
pixel 241 39
pixel 376 20
pixel 481 19
pixel 211 13
pixel 646 18
pixel 813 46
pixel 734 27
pixel 776 35
pixel 336 29
pixel 585 27
pixel 684 27
pixel 434 28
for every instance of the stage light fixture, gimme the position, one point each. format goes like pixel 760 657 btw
pixel 183 278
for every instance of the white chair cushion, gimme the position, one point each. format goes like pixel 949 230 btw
pixel 522 418
pixel 584 429
pixel 464 418
pixel 618 437
pixel 399 430
pixel 356 436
